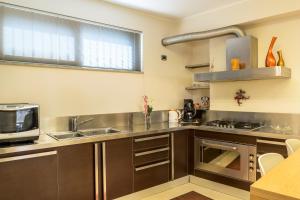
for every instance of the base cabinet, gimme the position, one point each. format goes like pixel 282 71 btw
pixel 117 168
pixel 181 153
pixel 29 177
pixel 151 155
pixel 76 172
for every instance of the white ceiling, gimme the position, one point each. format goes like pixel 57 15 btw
pixel 175 8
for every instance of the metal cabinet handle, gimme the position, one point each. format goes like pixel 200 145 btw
pixel 29 156
pixel 104 170
pixel 152 165
pixel 219 146
pixel 96 170
pixel 270 142
pixel 151 152
pixel 151 138
pixel 172 157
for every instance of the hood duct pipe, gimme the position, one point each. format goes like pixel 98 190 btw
pixel 187 37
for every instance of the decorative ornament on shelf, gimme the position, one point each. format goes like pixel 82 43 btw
pixel 280 61
pixel 270 59
pixel 240 95
pixel 147 111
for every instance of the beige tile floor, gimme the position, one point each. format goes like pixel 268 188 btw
pixel 211 189
pixel 188 187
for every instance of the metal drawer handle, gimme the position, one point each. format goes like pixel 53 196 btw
pixel 96 149
pixel 24 157
pixel 271 142
pixel 151 138
pixel 151 152
pixel 152 165
pixel 219 146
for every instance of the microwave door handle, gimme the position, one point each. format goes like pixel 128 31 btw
pixel 220 146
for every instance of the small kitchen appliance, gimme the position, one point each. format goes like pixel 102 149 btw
pixel 19 122
pixel 189 112
pixel 174 116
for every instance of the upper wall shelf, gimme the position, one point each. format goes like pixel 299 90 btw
pixel 262 73
pixel 197 87
pixel 195 66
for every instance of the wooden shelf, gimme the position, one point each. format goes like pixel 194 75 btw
pixel 196 66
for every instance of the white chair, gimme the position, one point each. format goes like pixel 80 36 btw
pixel 267 161
pixel 292 145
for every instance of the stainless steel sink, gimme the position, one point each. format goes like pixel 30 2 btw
pixel 63 136
pixel 85 133
pixel 99 131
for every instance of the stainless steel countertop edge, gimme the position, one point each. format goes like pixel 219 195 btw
pixel 47 142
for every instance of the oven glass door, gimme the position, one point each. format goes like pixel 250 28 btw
pixel 227 159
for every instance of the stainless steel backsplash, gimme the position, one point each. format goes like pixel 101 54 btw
pixel 107 120
pixel 137 118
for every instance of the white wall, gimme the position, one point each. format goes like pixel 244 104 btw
pixel 240 12
pixel 62 92
pixel 266 95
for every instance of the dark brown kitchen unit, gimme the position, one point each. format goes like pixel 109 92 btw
pixel 267 145
pixel 29 177
pixel 117 168
pixel 151 160
pixel 76 177
pixel 181 153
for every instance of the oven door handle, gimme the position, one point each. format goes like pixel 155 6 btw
pixel 219 146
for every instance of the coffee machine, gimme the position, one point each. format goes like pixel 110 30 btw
pixel 190 115
pixel 189 112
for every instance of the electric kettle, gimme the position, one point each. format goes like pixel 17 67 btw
pixel 174 115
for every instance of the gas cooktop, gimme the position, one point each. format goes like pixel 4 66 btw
pixel 234 124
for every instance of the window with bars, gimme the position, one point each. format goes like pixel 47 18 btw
pixel 33 36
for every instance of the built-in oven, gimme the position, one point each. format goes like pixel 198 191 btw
pixel 225 158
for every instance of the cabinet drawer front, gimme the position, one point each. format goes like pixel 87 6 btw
pixel 29 177
pixel 150 142
pixel 151 175
pixel 145 157
pixel 268 146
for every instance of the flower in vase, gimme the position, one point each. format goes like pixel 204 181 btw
pixel 147 107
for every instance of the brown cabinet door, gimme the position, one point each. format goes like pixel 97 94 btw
pixel 151 175
pixel 181 158
pixel 117 168
pixel 76 172
pixel 29 177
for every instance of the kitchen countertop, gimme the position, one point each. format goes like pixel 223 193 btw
pixel 281 183
pixel 46 141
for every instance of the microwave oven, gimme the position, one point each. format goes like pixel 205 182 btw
pixel 19 122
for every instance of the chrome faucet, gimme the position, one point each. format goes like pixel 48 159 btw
pixel 74 124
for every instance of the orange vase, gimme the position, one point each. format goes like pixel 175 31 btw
pixel 270 59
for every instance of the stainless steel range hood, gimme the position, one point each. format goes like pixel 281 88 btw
pixel 262 73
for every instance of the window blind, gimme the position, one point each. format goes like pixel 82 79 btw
pixel 36 37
